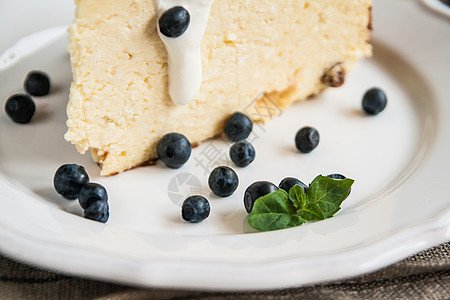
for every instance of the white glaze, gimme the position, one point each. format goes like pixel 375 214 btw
pixel 184 57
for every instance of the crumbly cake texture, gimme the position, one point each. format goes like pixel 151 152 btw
pixel 253 52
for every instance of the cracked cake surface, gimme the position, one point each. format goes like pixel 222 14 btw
pixel 252 51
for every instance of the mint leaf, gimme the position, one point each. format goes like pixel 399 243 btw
pixel 280 210
pixel 297 196
pixel 312 212
pixel 274 211
pixel 324 197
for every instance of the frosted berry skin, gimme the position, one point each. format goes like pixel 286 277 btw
pixel 90 193
pixel 374 101
pixel 37 83
pixel 307 139
pixel 20 108
pixel 288 182
pixel 174 22
pixel 223 181
pixel 174 150
pixel 238 127
pixel 336 176
pixel 255 191
pixel 97 211
pixel 242 154
pixel 69 179
pixel 195 209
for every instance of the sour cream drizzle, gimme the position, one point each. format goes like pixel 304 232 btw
pixel 184 57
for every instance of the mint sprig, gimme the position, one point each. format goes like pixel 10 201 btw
pixel 280 210
pixel 274 211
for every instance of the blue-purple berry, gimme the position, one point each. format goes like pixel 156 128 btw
pixel 97 211
pixel 242 154
pixel 174 149
pixel 69 179
pixel 223 181
pixel 90 193
pixel 238 127
pixel 20 108
pixel 195 209
pixel 374 101
pixel 37 83
pixel 307 139
pixel 174 22
pixel 256 191
pixel 288 182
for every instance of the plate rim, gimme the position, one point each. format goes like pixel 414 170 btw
pixel 368 258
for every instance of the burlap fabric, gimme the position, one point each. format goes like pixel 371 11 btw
pixel 422 276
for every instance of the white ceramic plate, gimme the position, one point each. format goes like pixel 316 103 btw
pixel 400 159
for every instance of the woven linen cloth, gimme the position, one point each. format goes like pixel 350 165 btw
pixel 425 275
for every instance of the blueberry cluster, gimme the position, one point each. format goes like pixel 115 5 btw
pixel 263 188
pixel 223 181
pixel 72 182
pixel 21 107
pixel 237 129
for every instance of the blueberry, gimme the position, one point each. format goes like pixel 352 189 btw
pixel 195 209
pixel 174 22
pixel 287 183
pixel 20 108
pixel 336 176
pixel 255 191
pixel 174 150
pixel 37 83
pixel 69 179
pixel 307 139
pixel 242 153
pixel 90 193
pixel 97 211
pixel 223 181
pixel 374 101
pixel 238 127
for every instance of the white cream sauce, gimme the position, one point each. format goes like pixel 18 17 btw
pixel 184 57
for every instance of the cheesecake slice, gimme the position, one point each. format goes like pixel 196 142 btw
pixel 252 52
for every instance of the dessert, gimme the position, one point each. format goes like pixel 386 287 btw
pixel 133 82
